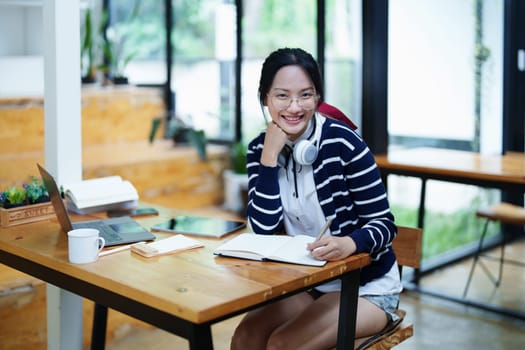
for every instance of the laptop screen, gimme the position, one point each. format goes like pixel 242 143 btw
pixel 56 199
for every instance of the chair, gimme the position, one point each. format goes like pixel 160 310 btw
pixel 407 247
pixel 504 213
pixel 335 113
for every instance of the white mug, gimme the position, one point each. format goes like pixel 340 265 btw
pixel 84 245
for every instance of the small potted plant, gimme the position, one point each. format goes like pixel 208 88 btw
pixel 115 46
pixel 24 204
pixel 32 192
pixel 181 132
pixel 13 197
pixel 36 192
pixel 236 181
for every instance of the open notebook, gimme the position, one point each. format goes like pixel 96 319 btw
pixel 289 249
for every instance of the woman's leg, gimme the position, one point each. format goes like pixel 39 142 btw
pixel 316 326
pixel 255 328
pixel 299 322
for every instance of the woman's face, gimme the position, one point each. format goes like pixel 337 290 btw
pixel 292 100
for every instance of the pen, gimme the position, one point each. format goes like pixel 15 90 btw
pixel 116 250
pixel 324 229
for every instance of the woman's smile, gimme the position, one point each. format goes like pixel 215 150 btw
pixel 292 82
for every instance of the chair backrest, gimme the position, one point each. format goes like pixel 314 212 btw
pixel 407 246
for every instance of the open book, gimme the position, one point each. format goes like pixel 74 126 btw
pixel 100 194
pixel 290 249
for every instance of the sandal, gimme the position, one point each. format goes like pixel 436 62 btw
pixel 389 329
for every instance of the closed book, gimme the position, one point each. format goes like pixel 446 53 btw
pixel 165 246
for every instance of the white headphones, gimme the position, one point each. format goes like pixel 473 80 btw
pixel 304 152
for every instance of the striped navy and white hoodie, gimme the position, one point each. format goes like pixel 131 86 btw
pixel 349 189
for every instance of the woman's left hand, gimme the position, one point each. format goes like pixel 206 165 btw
pixel 332 248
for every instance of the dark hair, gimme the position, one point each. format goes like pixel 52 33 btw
pixel 289 57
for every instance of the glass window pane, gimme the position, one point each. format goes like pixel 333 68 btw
pixel 138 34
pixel 343 57
pixel 445 90
pixel 203 77
pixel 437 51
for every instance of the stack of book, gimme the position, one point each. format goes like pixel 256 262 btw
pixel 100 194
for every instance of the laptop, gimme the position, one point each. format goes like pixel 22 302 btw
pixel 115 231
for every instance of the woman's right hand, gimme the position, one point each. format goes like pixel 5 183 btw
pixel 331 248
pixel 274 141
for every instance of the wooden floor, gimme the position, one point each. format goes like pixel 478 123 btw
pixel 438 324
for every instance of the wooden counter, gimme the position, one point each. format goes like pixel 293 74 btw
pixel 109 115
pixel 116 123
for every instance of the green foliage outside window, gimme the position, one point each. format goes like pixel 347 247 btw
pixel 274 22
pixel 268 22
pixel 194 28
pixel 445 232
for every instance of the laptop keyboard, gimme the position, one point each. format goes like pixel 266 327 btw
pixel 105 232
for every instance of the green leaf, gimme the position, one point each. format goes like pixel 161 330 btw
pixel 198 139
pixel 238 158
pixel 16 195
pixel 155 124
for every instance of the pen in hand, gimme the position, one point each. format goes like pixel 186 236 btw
pixel 323 230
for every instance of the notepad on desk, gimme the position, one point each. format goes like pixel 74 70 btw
pixel 168 245
pixel 289 249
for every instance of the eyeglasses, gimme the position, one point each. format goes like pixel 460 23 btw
pixel 307 100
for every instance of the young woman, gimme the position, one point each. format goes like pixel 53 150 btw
pixel 304 171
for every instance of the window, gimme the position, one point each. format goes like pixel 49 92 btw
pixel 138 31
pixel 445 90
pixel 343 57
pixel 203 77
pixel 445 73
pixel 204 52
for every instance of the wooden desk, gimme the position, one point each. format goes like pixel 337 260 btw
pixel 505 172
pixel 183 293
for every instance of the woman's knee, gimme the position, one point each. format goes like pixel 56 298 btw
pixel 248 338
pixel 239 337
pixel 276 342
pixel 246 335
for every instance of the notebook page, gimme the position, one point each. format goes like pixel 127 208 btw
pixel 252 246
pixel 294 251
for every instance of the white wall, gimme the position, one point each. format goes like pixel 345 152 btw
pixel 21 47
pixel 21 76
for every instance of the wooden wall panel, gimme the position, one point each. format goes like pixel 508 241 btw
pixel 110 114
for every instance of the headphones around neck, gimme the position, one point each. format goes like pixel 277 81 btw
pixel 304 152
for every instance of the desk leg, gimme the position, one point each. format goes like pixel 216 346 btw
pixel 201 339
pixel 421 209
pixel 98 332
pixel 421 220
pixel 348 310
